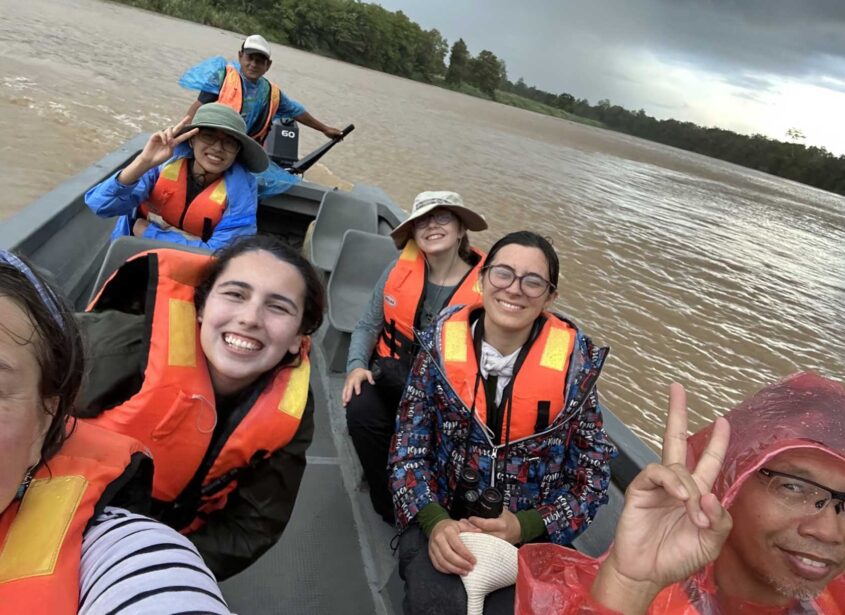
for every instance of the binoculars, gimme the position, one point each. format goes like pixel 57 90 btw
pixel 470 502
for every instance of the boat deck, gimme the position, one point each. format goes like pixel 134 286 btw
pixel 334 556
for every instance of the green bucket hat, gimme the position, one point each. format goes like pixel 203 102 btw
pixel 221 117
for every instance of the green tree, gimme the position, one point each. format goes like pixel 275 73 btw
pixel 431 51
pixel 459 60
pixel 486 73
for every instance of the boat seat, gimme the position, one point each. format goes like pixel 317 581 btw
pixel 123 248
pixel 360 263
pixel 339 211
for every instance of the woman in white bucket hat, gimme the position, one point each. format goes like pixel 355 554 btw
pixel 437 267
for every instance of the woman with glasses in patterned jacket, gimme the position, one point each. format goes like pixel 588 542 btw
pixel 499 431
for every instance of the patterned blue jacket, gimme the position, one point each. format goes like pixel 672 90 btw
pixel 562 472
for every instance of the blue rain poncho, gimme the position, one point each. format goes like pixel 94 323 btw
pixel 208 75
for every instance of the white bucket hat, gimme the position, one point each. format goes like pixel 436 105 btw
pixel 426 202
pixel 495 568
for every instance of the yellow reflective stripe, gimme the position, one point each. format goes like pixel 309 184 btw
pixel 410 252
pixel 182 336
pixel 296 392
pixel 38 531
pixel 455 345
pixel 218 195
pixel 556 350
pixel 171 171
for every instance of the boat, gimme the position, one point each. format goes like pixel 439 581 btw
pixel 335 555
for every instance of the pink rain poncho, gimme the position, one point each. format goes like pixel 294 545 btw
pixel 802 411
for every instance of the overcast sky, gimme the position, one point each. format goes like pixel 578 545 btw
pixel 754 66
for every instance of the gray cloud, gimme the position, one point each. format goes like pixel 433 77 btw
pixel 579 46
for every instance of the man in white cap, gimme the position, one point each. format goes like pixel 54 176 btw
pixel 247 91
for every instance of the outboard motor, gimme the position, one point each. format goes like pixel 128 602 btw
pixel 282 143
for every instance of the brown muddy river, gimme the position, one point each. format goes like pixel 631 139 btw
pixel 689 268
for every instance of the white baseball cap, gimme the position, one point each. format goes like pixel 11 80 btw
pixel 256 43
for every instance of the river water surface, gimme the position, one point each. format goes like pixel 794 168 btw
pixel 690 269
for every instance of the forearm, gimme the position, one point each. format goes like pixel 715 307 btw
pixel 112 198
pixel 193 109
pixel 615 591
pixel 365 335
pixel 531 525
pixel 134 171
pixel 311 121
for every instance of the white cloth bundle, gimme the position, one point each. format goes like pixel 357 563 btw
pixel 495 568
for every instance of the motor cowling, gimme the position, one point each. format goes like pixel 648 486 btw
pixel 282 143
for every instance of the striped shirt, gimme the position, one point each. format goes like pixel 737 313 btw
pixel 132 565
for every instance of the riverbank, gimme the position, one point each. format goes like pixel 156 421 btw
pixel 370 36
pixel 247 20
pixel 515 100
pixel 682 264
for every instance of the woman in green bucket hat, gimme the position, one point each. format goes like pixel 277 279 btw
pixel 192 184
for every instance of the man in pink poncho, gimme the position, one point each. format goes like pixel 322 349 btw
pixel 751 523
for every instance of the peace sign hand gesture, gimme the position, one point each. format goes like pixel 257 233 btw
pixel 672 525
pixel 159 148
pixel 160 145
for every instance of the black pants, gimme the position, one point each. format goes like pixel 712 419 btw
pixel 429 591
pixel 371 418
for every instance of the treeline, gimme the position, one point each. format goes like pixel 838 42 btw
pixel 485 72
pixel 369 35
pixel 352 31
pixel 809 165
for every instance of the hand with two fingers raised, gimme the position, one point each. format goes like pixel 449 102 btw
pixel 671 525
pixel 158 149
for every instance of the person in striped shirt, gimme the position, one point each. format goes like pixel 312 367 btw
pixel 68 541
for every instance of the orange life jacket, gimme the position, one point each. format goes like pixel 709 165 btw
pixel 174 412
pixel 232 95
pixel 269 425
pixel 41 535
pixel 168 200
pixel 403 297
pixel 539 382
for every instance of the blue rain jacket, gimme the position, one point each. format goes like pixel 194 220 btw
pixel 110 198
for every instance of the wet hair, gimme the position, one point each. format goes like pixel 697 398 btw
pixel 58 349
pixel 315 294
pixel 529 240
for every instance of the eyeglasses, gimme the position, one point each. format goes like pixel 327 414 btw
pixel 228 143
pixel 444 216
pixel 531 284
pixel 802 496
